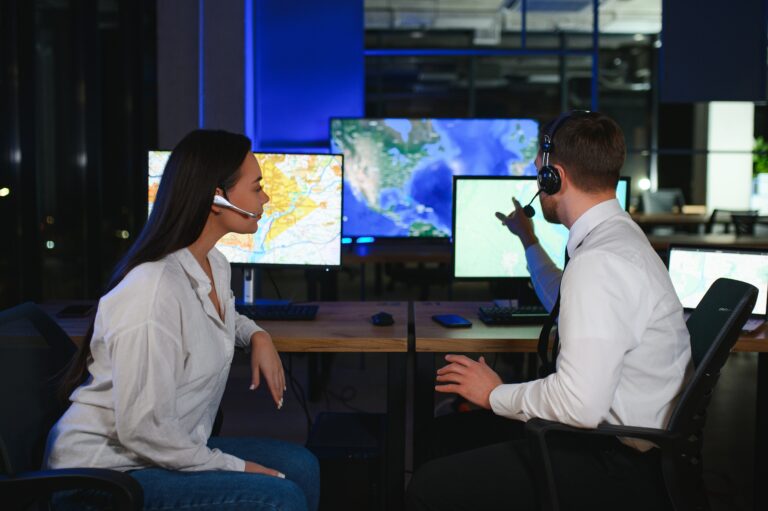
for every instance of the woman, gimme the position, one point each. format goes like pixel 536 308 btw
pixel 149 377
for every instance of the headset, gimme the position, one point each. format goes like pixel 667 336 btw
pixel 218 200
pixel 548 177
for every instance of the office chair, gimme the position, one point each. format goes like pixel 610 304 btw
pixel 34 352
pixel 743 221
pixel 663 200
pixel 714 327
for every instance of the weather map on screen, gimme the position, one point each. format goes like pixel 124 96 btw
pixel 694 269
pixel 483 247
pixel 398 173
pixel 301 224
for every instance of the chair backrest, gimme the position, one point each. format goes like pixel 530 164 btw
pixel 714 326
pixel 663 200
pixel 742 219
pixel 34 351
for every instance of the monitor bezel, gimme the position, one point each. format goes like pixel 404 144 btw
pixel 718 248
pixel 284 265
pixel 415 240
pixel 516 178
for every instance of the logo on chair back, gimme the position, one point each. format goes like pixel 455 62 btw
pixel 723 309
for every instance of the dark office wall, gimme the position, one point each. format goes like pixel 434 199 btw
pixel 20 253
pixel 71 143
pixel 713 51
pixel 309 67
pixel 304 60
pixel 177 70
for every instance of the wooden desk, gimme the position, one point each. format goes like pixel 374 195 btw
pixel 730 240
pixel 673 219
pixel 431 338
pixel 339 327
pixel 481 338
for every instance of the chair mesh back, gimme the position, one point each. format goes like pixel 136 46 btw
pixel 33 354
pixel 714 327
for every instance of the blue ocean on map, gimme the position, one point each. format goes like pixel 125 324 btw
pixel 398 173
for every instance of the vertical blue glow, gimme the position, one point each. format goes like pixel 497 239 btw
pixel 250 114
pixel 200 64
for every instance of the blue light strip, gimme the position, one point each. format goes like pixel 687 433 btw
pixel 595 53
pixel 365 239
pixel 438 52
pixel 200 63
pixel 346 241
pixel 248 67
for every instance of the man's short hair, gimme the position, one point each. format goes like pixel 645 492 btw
pixel 591 147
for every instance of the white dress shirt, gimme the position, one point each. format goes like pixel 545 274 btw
pixel 624 346
pixel 160 360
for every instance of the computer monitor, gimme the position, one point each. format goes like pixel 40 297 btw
pixel 301 224
pixel 398 175
pixel 693 268
pixel 483 248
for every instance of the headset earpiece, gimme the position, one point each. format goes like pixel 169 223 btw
pixel 549 179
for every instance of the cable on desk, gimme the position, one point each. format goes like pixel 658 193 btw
pixel 274 284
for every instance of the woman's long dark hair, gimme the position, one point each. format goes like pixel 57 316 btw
pixel 201 162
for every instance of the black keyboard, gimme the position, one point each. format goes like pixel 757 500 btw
pixel 525 315
pixel 290 312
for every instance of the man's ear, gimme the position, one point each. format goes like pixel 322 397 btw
pixel 564 177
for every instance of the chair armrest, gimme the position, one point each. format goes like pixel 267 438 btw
pixel 536 431
pixel 28 486
pixel 540 427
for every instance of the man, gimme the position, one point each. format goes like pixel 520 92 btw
pixel 624 347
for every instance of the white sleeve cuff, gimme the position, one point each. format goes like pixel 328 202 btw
pixel 503 401
pixel 245 329
pixel 235 464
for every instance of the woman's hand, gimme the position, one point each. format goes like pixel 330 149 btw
pixel 266 362
pixel 255 468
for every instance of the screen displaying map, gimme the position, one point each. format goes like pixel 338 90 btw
pixel 483 247
pixel 693 270
pixel 301 224
pixel 398 173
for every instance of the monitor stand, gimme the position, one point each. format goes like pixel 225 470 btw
pixel 252 287
pixel 513 292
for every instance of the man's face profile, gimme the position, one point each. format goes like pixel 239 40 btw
pixel 549 208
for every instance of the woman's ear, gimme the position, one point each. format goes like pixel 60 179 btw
pixel 215 208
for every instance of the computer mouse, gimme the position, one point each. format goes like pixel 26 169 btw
pixel 382 319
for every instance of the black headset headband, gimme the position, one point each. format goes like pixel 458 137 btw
pixel 549 137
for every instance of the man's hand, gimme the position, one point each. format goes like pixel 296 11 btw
pixel 265 361
pixel 519 224
pixel 472 380
pixel 255 468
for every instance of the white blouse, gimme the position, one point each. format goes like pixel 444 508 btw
pixel 161 357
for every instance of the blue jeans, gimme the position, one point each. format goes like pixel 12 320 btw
pixel 227 491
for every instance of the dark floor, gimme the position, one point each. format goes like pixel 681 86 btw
pixel 357 382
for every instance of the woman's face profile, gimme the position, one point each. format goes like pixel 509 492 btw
pixel 247 193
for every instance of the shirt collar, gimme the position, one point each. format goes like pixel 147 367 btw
pixel 200 281
pixel 590 219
